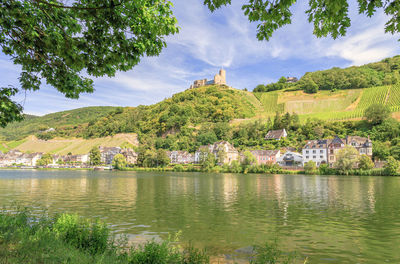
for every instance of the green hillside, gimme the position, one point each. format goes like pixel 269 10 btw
pixel 183 111
pixel 185 120
pixel 384 72
pixel 66 122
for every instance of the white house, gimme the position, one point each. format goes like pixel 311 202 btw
pixel 316 150
pixel 107 154
pixel 180 157
pixel 28 159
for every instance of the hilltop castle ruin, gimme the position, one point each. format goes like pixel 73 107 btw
pixel 219 78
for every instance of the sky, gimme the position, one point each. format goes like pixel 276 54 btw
pixel 223 39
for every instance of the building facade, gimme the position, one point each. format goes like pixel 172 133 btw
pixel 223 151
pixel 107 154
pixel 317 151
pixel 362 144
pixel 180 157
pixel 276 134
pixel 290 159
pixel 265 156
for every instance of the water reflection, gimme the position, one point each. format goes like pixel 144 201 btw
pixel 330 219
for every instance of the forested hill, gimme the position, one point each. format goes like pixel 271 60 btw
pixel 65 122
pixel 183 110
pixel 385 72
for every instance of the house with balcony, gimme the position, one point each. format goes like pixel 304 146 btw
pixel 290 159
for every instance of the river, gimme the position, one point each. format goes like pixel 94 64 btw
pixel 329 219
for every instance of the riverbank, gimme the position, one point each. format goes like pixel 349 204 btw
pixel 68 238
pixel 227 169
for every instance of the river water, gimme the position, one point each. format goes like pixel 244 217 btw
pixel 329 219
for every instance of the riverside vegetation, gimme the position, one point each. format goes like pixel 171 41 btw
pixel 68 238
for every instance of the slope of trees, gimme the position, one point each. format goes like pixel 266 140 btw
pixel 385 72
pixel 181 113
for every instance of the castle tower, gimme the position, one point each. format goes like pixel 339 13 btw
pixel 222 73
pixel 220 77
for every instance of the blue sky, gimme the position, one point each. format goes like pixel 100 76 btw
pixel 208 41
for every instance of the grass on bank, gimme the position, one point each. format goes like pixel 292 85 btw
pixel 68 238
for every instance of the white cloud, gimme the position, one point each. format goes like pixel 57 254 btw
pixel 368 46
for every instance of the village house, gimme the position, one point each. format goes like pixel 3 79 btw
pixel 316 150
pixel 276 134
pixel 326 150
pixel 334 146
pixel 291 79
pixel 362 144
pixel 290 159
pixel 80 158
pixel 265 156
pixel 10 158
pixel 130 155
pixel 107 154
pixel 28 159
pixel 180 157
pixel 218 149
pixel 219 78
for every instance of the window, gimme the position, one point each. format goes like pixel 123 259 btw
pixel 306 151
pixel 314 157
pixel 331 151
pixel 306 157
pixel 321 151
pixel 313 151
pixel 321 157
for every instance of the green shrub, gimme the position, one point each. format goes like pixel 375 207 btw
pixel 178 168
pixel 82 234
pixel 310 167
pixel 269 253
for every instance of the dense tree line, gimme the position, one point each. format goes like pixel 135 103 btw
pixel 385 72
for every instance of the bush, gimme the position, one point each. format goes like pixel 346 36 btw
pixel 377 113
pixel 82 234
pixel 270 253
pixel 391 167
pixel 365 163
pixel 178 168
pixel 310 167
pixel 325 170
pixel 70 239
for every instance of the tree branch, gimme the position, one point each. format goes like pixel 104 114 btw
pixel 77 7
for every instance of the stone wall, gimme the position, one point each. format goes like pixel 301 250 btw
pixel 219 78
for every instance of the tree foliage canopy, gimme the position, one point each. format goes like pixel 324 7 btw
pixel 119 162
pixel 377 113
pixel 347 159
pixel 65 45
pixel 95 156
pixel 328 17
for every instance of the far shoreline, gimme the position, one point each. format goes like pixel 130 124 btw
pixel 376 172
